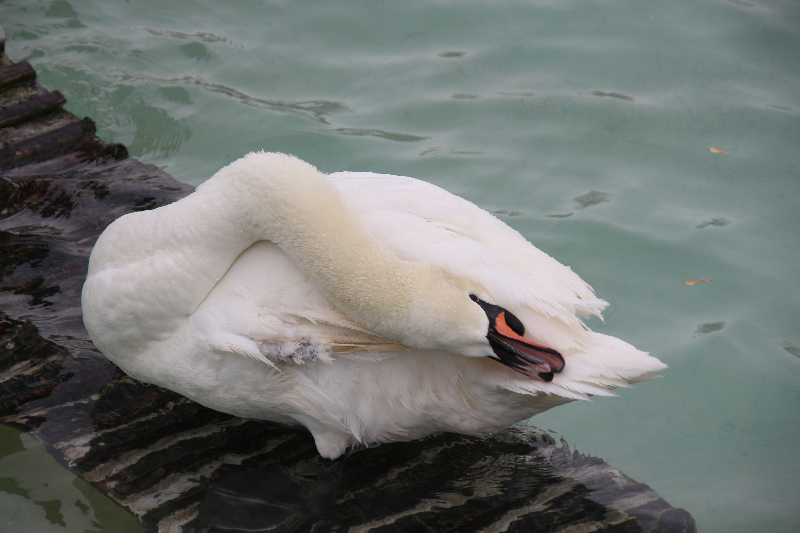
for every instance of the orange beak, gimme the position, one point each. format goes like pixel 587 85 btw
pixel 531 359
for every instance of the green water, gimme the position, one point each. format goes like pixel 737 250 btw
pixel 585 125
pixel 39 496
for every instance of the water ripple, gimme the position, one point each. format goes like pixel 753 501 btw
pixel 389 135
pixel 613 95
pixel 314 109
pixel 591 198
pixel 202 35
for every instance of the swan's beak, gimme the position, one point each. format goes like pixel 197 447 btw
pixel 523 355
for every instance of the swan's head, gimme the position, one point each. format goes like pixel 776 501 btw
pixel 448 316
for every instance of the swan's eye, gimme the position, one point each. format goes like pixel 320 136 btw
pixel 514 323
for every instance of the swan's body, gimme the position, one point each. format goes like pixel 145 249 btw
pixel 348 304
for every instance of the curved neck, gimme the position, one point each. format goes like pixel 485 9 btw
pixel 289 202
pixel 188 246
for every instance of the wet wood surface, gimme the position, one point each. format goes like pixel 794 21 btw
pixel 180 466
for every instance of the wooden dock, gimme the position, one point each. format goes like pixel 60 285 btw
pixel 179 466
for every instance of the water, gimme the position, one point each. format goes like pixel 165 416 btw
pixel 37 495
pixel 586 126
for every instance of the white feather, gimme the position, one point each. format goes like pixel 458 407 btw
pixel 355 288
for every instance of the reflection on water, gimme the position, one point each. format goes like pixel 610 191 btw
pixel 591 122
pixel 40 496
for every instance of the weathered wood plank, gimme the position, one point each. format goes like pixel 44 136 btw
pixel 35 106
pixel 17 73
pixel 36 127
pixel 18 93
pixel 45 144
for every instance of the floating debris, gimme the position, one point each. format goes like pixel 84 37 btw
pixel 715 150
pixel 693 281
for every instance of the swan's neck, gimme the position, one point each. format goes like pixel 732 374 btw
pixel 289 202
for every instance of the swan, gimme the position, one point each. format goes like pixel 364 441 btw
pixel 366 307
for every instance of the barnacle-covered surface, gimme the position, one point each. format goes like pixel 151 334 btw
pixel 180 466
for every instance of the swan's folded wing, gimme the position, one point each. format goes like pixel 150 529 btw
pixel 342 335
pixel 296 339
pixel 266 308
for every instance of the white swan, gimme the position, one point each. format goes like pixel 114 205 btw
pixel 365 307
